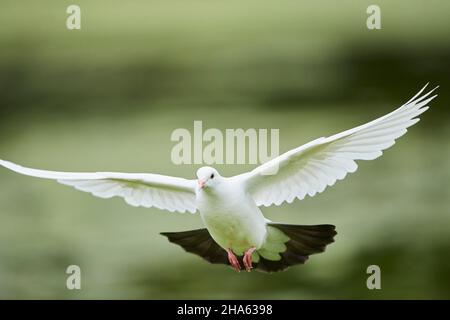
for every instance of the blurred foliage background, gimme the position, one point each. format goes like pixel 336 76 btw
pixel 107 98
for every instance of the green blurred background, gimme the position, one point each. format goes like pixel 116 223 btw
pixel 107 98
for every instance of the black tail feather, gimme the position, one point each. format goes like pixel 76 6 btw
pixel 303 241
pixel 200 243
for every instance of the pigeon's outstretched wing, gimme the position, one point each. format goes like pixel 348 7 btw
pixel 138 189
pixel 310 168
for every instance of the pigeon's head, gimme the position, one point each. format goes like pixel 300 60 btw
pixel 207 177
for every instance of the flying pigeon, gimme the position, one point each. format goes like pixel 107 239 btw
pixel 237 233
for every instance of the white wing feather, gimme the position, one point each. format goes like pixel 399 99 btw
pixel 146 190
pixel 310 168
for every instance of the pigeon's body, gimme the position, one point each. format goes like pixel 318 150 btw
pixel 230 207
pixel 231 216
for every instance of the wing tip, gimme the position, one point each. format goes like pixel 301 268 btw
pixel 10 165
pixel 4 162
pixel 419 97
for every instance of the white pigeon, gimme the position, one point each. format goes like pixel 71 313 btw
pixel 236 231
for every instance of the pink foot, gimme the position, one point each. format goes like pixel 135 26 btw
pixel 248 259
pixel 233 260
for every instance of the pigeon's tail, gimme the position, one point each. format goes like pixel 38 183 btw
pixel 286 245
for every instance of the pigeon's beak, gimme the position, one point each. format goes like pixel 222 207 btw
pixel 201 183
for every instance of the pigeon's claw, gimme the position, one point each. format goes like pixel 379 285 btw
pixel 233 260
pixel 248 259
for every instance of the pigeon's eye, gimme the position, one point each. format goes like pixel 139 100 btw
pixel 212 175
